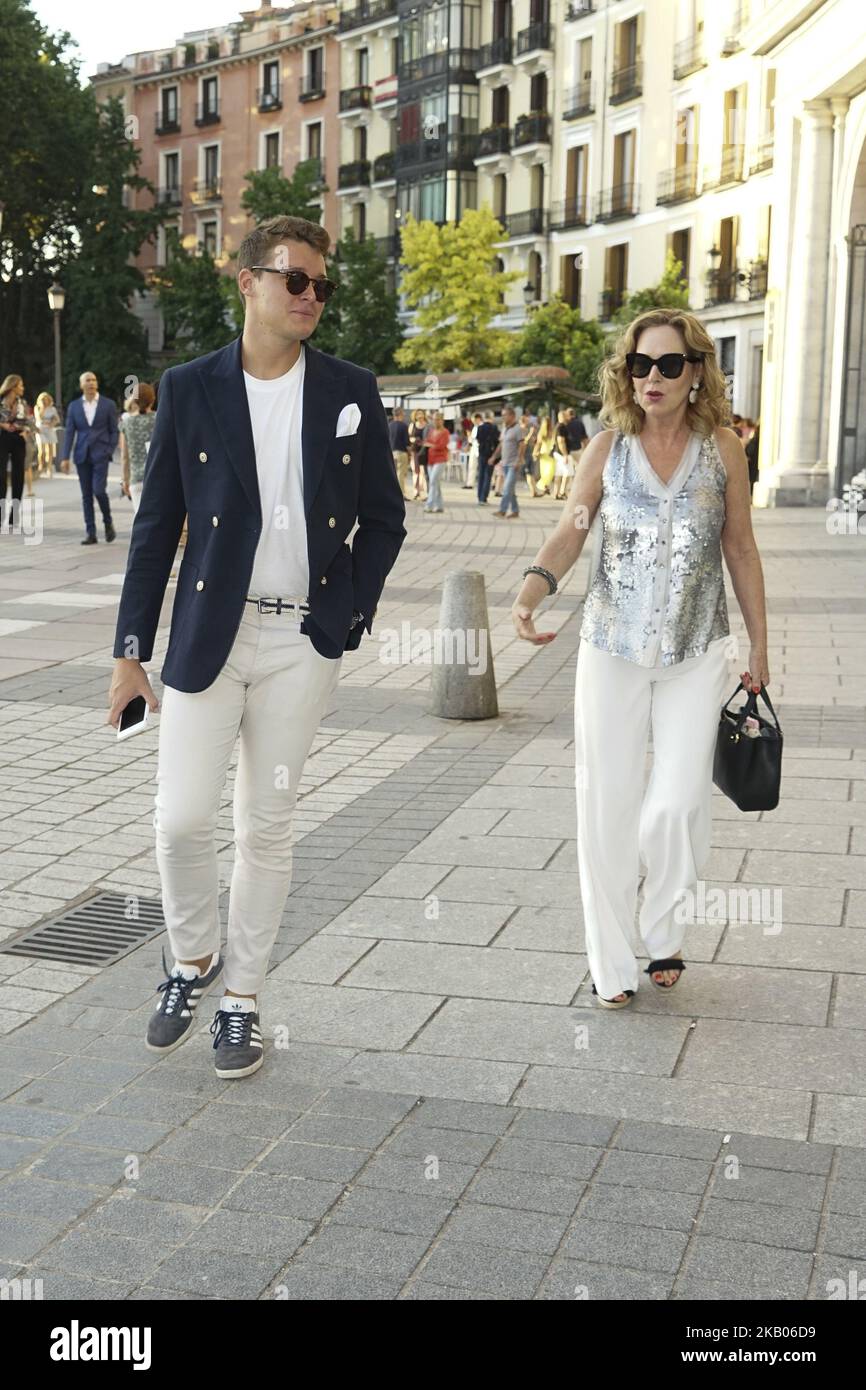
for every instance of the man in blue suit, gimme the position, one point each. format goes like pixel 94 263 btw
pixel 274 451
pixel 91 439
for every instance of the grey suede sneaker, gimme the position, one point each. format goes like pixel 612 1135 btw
pixel 172 1021
pixel 238 1045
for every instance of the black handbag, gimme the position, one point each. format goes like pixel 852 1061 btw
pixel 749 770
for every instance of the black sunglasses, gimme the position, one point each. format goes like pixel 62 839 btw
pixel 670 364
pixel 298 280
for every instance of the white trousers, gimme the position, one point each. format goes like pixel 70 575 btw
pixel 667 826
pixel 273 691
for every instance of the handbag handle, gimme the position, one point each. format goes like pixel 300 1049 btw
pixel 750 708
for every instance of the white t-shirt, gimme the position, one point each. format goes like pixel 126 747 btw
pixel 281 567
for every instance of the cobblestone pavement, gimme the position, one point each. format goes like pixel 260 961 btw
pixel 451 1117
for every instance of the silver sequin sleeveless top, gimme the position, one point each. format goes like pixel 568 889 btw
pixel 658 595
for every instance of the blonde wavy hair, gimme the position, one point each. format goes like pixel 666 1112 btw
pixel 619 411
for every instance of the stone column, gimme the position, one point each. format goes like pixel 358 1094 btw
pixel 834 352
pixel 795 478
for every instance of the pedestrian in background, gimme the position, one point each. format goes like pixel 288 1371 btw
pixel 14 425
pixel 91 439
pixel 563 469
pixel 136 431
pixel 529 458
pixel 752 447
pixel 487 438
pixel 508 449
pixel 418 452
pixel 545 445
pixel 437 440
pixel 47 420
pixel 398 432
pixel 472 441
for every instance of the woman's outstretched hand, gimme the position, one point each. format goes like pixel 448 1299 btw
pixel 521 616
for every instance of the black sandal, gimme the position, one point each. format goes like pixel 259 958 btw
pixel 614 1003
pixel 668 963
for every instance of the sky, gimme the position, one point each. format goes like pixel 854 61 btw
pixel 106 30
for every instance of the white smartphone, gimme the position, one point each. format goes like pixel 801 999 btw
pixel 134 718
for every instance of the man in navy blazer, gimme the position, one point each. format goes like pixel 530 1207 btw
pixel 90 440
pixel 275 452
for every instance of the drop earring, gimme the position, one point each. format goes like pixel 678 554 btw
pixel 693 394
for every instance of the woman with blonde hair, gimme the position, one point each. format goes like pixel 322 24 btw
pixel 15 425
pixel 47 419
pixel 418 453
pixel 545 444
pixel 670 482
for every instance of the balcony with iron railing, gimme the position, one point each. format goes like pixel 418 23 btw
pixel 689 56
pixel 356 174
pixel 732 33
pixel 571 212
pixel 459 64
pixel 577 101
pixel 761 157
pixel 578 8
pixel 678 185
pixel 495 54
pixel 316 164
pixel 626 83
pixel 356 98
pixel 728 171
pixel 532 129
pixel 496 139
pixel 533 222
pixel 167 122
pixel 617 202
pixel 207 113
pixel 208 189
pixel 722 285
pixel 456 151
pixel 383 167
pixel 365 12
pixel 270 98
pixel 171 196
pixel 311 86
pixel 608 302
pixel 535 38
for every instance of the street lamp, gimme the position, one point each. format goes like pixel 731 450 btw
pixel 56 301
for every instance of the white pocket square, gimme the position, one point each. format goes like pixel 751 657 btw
pixel 350 418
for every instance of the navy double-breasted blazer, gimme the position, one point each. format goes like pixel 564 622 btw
pixel 201 464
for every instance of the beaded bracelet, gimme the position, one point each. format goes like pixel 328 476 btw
pixel 539 569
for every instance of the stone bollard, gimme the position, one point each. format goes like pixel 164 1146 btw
pixel 463 683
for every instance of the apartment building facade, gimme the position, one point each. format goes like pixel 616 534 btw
pixel 260 92
pixel 602 133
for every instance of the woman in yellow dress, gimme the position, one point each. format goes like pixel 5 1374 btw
pixel 544 447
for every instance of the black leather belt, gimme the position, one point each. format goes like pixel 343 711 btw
pixel 279 605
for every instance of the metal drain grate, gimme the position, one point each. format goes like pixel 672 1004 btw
pixel 96 932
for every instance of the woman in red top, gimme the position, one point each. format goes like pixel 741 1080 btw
pixel 437 440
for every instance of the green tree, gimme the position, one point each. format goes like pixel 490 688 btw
pixel 360 323
pixel 452 282
pixel 670 292
pixel 102 333
pixel 195 299
pixel 45 117
pixel 271 194
pixel 555 335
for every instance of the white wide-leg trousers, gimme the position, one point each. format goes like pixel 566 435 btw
pixel 272 690
pixel 619 823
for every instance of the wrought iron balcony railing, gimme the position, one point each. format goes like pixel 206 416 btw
pixel 167 123
pixel 496 139
pixel 578 101
pixel 532 129
pixel 626 83
pixel 354 175
pixel 689 56
pixel 269 98
pixel 355 98
pixel 617 202
pixel 207 113
pixel 537 36
pixel 571 212
pixel 494 53
pixel 677 185
pixel 366 11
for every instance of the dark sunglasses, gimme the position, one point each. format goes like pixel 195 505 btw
pixel 298 280
pixel 670 364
